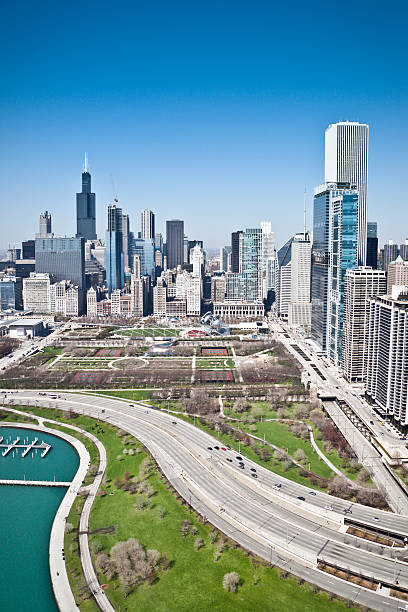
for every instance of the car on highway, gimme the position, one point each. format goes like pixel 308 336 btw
pixel 241 466
pixel 217 447
pixel 253 470
pixel 239 458
pixel 174 422
pixel 328 507
pixel 223 448
pixel 375 518
pixel 254 475
pixel 229 460
pixel 131 405
pixel 312 492
pixel 277 485
pixel 209 447
pixel 301 498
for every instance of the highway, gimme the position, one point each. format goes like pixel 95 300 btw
pixel 272 523
pixel 332 385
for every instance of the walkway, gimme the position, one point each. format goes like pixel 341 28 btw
pixel 36 483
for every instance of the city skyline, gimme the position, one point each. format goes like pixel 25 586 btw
pixel 222 120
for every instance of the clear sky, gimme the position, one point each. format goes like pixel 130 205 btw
pixel 213 112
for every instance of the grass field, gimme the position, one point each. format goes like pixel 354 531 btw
pixel 225 363
pixel 149 332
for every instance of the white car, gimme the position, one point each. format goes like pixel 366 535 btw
pixel 328 507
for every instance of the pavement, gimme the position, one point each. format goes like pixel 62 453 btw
pixel 290 526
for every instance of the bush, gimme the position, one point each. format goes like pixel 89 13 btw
pixel 230 581
pixel 198 543
pixel 300 455
pixel 68 527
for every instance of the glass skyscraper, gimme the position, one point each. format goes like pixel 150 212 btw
pixel 335 245
pixel 85 208
pixel 250 262
pixel 175 243
pixel 144 248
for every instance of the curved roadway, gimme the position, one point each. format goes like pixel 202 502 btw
pixel 273 523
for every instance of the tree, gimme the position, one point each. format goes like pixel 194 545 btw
pixel 240 405
pixel 198 542
pixel 230 581
pixel 265 453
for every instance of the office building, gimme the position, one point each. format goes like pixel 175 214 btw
pixel 28 249
pixel 361 284
pixel 191 245
pixel 250 260
pixel 65 299
pixel 284 278
pixel 231 310
pixel 197 260
pixel 397 274
pixel 299 307
pixel 268 265
pixel 13 254
pixel 24 267
pixel 235 236
pixel 193 285
pixel 145 249
pixel 224 255
pixel 372 245
pixel 218 288
pixel 175 243
pixel 346 161
pixel 159 298
pixel 335 234
pixel 390 253
pixel 11 288
pixel 44 225
pixel 147 225
pixel 85 208
pixel 36 293
pixel 403 250
pixel 125 243
pixel 63 258
pixel 387 363
pixel 114 259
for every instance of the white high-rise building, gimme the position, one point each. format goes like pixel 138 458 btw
pixel 346 161
pixel 299 307
pixel 197 259
pixel 147 219
pixel 397 273
pixel 361 284
pixel 36 292
pixel 193 295
pixel 159 298
pixel 268 262
pixel 387 364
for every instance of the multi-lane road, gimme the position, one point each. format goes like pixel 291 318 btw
pixel 289 525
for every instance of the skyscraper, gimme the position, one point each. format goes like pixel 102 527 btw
pixel 361 284
pixel 44 225
pixel 250 258
pixel 125 242
pixel 85 208
pixel 335 237
pixel 403 251
pixel 175 243
pixel 346 161
pixel 284 278
pixel 114 249
pixel 268 265
pixel 299 308
pixel 372 245
pixel 387 364
pixel 147 224
pixel 235 251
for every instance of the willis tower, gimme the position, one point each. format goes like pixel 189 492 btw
pixel 85 208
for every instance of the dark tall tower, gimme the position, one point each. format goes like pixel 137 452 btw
pixel 372 245
pixel 85 208
pixel 114 260
pixel 235 251
pixel 175 243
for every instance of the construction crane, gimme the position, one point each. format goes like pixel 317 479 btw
pixel 115 197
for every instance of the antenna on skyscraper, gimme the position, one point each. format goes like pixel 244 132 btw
pixel 86 163
pixel 304 213
pixel 115 197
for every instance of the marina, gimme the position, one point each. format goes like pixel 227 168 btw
pixel 27 446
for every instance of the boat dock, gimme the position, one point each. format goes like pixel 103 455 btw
pixel 36 483
pixel 27 447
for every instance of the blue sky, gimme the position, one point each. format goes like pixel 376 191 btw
pixel 213 112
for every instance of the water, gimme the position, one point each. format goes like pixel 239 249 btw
pixel 61 460
pixel 26 516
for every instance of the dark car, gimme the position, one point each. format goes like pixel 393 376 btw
pixel 254 475
pixel 174 422
pixel 239 458
pixel 242 466
pixel 229 460
pixel 312 493
pixel 209 447
pixel 217 447
pixel 301 498
pixel 253 470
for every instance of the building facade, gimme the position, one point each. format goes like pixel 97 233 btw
pixel 361 284
pixel 147 225
pixel 175 243
pixel 114 259
pixel 346 161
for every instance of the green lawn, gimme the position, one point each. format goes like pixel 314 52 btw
pixel 136 395
pixel 193 582
pixel 149 332
pixel 206 363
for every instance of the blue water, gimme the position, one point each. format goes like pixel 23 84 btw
pixel 26 517
pixel 61 460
